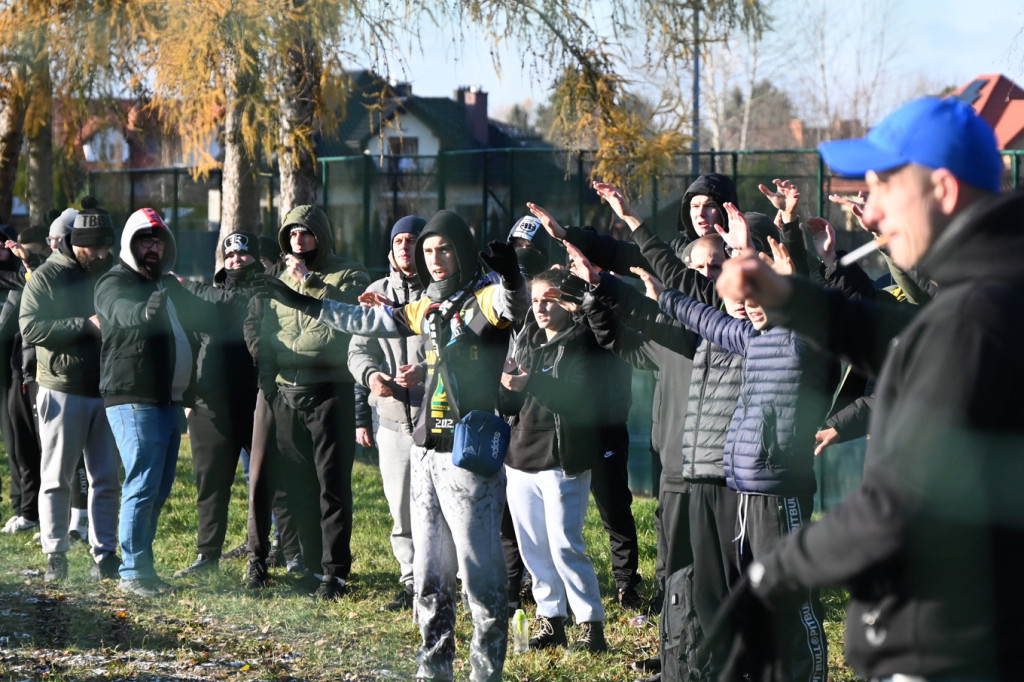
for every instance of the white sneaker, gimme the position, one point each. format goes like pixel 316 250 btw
pixel 19 524
pixel 10 522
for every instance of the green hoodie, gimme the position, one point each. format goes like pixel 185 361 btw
pixel 296 349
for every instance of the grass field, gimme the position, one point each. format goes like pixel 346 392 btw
pixel 214 629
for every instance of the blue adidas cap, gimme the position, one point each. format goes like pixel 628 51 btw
pixel 932 132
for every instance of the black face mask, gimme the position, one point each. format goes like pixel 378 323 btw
pixel 441 289
pixel 308 257
pixel 243 274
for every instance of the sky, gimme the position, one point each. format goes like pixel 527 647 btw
pixel 944 42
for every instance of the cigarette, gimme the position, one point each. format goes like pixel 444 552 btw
pixel 862 251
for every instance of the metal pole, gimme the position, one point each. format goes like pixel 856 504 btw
pixel 440 181
pixel 580 186
pixel 175 221
pixel 695 159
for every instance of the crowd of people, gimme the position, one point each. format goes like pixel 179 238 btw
pixel 766 346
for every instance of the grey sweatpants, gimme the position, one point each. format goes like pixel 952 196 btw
pixel 456 516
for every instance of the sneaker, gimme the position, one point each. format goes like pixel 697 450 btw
pixel 256 576
pixel 56 568
pixel 402 600
pixel 647 665
pixel 591 638
pixel 297 565
pixel 78 535
pixel 202 565
pixel 331 589
pixel 106 568
pixel 630 599
pixel 18 524
pixel 237 553
pixel 526 590
pixel 550 632
pixel 140 587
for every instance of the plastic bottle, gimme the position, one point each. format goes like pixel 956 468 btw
pixel 520 632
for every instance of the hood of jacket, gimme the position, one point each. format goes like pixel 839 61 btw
pixel 315 220
pixel 966 247
pixel 720 188
pixel 455 229
pixel 147 220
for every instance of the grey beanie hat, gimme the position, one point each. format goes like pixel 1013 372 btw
pixel 63 223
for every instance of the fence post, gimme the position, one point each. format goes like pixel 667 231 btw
pixel 511 192
pixel 654 204
pixel 441 185
pixel 175 221
pixel 579 187
pixel 483 199
pixel 821 185
pixel 367 171
pixel 324 176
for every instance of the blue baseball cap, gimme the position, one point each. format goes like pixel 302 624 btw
pixel 932 132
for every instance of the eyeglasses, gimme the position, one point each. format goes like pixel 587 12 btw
pixel 150 242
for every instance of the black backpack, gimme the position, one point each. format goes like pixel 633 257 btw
pixel 681 635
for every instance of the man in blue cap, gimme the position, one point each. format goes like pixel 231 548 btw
pixel 931 543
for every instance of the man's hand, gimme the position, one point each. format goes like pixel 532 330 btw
pixel 738 236
pixel 780 260
pixel 502 259
pixel 410 375
pixel 824 237
pixel 551 225
pixel 295 267
pixel 154 305
pixel 515 382
pixel 856 208
pixel 581 267
pixel 373 299
pixel 750 278
pixel 285 295
pixel 824 438
pixel 379 385
pixel 652 285
pixel 364 437
pixel 785 198
pixel 617 200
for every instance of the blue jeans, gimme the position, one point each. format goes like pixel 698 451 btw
pixel 148 437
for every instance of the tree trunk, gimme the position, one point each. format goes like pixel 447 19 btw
pixel 39 134
pixel 12 122
pixel 239 208
pixel 297 163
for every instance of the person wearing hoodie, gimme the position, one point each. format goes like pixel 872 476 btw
pixel 392 370
pixel 553 392
pixel 58 317
pixel 221 421
pixel 310 390
pixel 146 366
pixel 456 512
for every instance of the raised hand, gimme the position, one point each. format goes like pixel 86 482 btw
pixel 780 260
pixel 617 200
pixel 551 225
pixel 824 237
pixel 785 198
pixel 856 208
pixel 738 235
pixel 581 267
pixel 652 285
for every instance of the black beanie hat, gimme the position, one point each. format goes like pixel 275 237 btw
pixel 93 225
pixel 245 242
pixel 269 248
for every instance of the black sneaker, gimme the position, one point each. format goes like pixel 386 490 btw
pixel 591 638
pixel 647 665
pixel 331 589
pixel 630 599
pixel 202 565
pixel 402 600
pixel 237 553
pixel 56 568
pixel 526 590
pixel 256 576
pixel 106 568
pixel 550 632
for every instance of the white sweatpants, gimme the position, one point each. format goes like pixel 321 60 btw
pixel 548 510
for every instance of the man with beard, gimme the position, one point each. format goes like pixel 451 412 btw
pixel 221 421
pixel 145 371
pixel 58 317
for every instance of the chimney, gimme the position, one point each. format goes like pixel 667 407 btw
pixel 475 100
